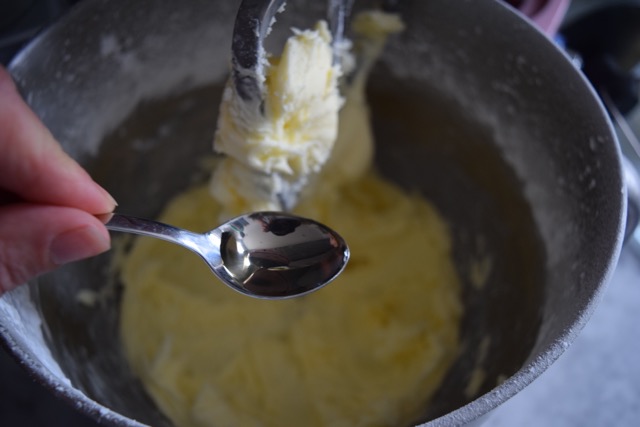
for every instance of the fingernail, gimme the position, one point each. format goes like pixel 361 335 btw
pixel 78 244
pixel 109 197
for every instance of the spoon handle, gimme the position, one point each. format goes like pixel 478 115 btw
pixel 159 230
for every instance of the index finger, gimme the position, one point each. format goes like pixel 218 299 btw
pixel 33 165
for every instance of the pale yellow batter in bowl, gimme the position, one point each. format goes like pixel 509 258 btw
pixel 368 350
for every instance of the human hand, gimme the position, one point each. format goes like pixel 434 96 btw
pixel 47 201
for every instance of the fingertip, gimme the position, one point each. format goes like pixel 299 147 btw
pixel 99 201
pixel 86 194
pixel 5 78
pixel 36 167
pixel 79 243
pixel 109 201
pixel 35 239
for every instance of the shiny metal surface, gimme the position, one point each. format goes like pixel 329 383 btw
pixel 255 20
pixel 253 24
pixel 271 255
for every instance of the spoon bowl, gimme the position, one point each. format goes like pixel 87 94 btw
pixel 270 255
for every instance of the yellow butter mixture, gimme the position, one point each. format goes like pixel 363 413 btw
pixel 275 143
pixel 369 349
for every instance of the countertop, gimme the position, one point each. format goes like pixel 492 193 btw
pixel 596 382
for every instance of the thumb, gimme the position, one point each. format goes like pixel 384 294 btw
pixel 36 238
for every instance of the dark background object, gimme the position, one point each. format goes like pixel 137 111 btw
pixel 21 20
pixel 608 42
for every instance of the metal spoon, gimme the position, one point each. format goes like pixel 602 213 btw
pixel 270 255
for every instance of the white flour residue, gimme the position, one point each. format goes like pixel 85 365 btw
pixel 26 323
pixel 98 88
pixel 109 45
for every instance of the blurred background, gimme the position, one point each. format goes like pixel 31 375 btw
pixel 597 381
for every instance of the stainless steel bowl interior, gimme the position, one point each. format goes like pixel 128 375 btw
pixel 470 106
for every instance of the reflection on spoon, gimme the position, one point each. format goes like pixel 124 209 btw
pixel 271 255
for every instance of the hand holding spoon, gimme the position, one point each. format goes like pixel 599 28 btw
pixel 272 255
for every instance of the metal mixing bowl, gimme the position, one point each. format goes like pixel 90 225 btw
pixel 471 106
